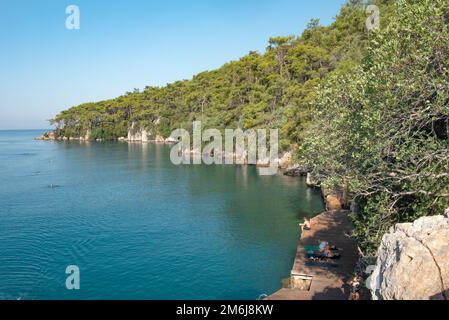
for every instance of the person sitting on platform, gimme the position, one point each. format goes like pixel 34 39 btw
pixel 328 251
pixel 307 225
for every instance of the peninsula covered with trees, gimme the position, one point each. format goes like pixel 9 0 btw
pixel 367 110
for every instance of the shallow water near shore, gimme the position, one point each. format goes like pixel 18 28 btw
pixel 140 227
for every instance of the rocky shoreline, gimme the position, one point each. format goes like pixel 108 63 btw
pixel 285 162
pixel 51 136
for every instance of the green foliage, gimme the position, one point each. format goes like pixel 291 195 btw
pixel 274 89
pixel 383 126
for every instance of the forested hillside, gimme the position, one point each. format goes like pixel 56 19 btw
pixel 274 89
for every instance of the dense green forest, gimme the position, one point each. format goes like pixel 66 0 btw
pixel 367 110
pixel 273 89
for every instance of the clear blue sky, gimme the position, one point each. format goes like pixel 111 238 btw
pixel 126 44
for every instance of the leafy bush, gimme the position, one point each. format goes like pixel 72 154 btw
pixel 384 126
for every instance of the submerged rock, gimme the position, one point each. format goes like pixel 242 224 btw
pixel 413 262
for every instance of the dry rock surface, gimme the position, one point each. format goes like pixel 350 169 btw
pixel 413 261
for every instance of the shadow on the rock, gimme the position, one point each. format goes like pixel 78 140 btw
pixel 440 296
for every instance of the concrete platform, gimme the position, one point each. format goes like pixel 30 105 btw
pixel 323 280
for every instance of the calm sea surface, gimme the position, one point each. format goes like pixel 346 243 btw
pixel 139 227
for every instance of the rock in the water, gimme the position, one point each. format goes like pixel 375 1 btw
pixel 296 171
pixel 50 135
pixel 413 262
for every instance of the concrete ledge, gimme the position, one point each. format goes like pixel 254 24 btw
pixel 301 281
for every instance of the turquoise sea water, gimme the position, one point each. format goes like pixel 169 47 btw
pixel 139 227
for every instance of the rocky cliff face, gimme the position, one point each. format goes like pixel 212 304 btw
pixel 413 261
pixel 87 136
pixel 138 135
